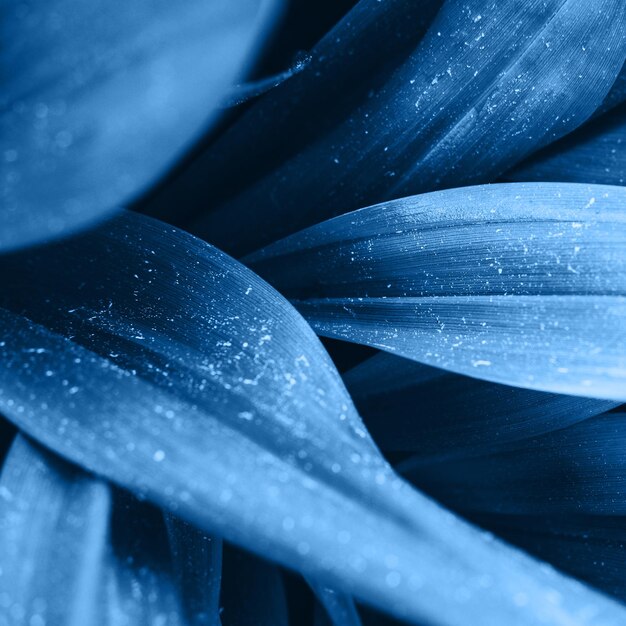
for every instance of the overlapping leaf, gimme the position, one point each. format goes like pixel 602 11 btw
pixel 54 525
pixel 592 548
pixel 473 99
pixel 594 154
pixel 558 496
pixel 342 69
pixel 100 98
pixel 176 372
pixel 198 567
pixel 339 607
pixel 408 406
pixel 519 284
pixel 579 469
pixel 58 562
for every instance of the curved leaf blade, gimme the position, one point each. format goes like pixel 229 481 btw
pixel 408 406
pixel 198 567
pixel 594 154
pixel 488 85
pixel 341 70
pixel 590 547
pixel 577 470
pixel 518 284
pixel 54 525
pixel 100 99
pixel 139 369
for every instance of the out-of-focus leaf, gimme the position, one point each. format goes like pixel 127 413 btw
pixel 155 360
pixel 490 83
pixel 579 469
pixel 343 67
pixel 594 154
pixel 437 414
pixel 53 523
pixel 58 561
pixel 198 566
pixel 99 99
pixel 520 284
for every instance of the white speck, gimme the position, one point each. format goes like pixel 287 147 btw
pixel 481 362
pixel 158 456
pixel 591 202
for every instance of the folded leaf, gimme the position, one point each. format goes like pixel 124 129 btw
pixel 489 84
pixel 518 284
pixel 436 414
pixel 54 527
pixel 99 99
pixel 154 360
pixel 353 57
pixel 594 154
pixel 577 470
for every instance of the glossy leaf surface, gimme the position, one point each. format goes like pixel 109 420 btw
pixel 518 284
pixel 472 100
pixel 594 154
pixel 178 373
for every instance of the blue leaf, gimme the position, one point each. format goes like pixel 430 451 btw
pixel 489 84
pixel 594 154
pixel 99 99
pixel 408 406
pixel 592 548
pixel 154 360
pixel 198 566
pixel 519 284
pixel 54 527
pixel 339 607
pixel 141 589
pixel 341 70
pixel 577 470
pixel 617 95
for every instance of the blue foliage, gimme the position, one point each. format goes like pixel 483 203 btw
pixel 178 447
